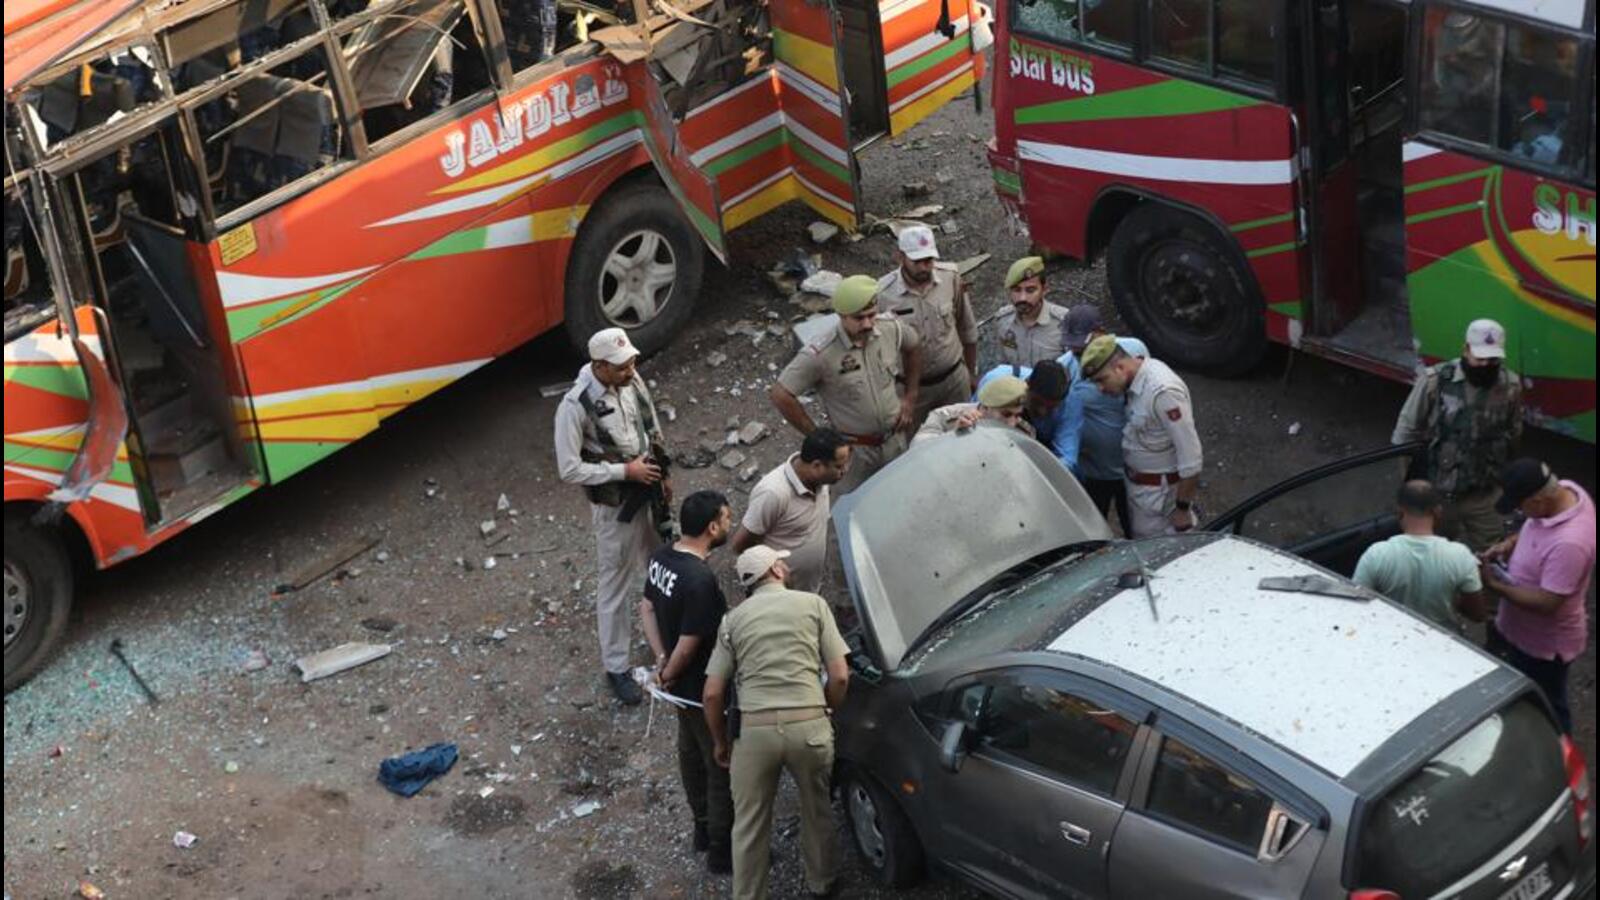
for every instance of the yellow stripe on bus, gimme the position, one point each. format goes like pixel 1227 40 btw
pixel 922 107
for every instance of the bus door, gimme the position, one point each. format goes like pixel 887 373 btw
pixel 928 56
pixel 1329 176
pixel 815 110
pixel 130 211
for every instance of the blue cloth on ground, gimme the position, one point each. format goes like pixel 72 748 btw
pixel 405 775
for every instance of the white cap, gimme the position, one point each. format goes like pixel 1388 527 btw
pixel 612 346
pixel 1486 339
pixel 755 563
pixel 916 242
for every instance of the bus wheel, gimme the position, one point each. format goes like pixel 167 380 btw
pixel 1176 282
pixel 636 264
pixel 38 595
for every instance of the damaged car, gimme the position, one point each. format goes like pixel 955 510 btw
pixel 1046 712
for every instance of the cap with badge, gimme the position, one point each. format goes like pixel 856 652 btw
pixel 998 393
pixel 1098 352
pixel 1519 480
pixel 1486 339
pixel 753 564
pixel 854 294
pixel 1081 323
pixel 1023 269
pixel 916 242
pixel 611 345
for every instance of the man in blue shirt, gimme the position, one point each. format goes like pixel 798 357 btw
pixel 1101 416
pixel 1053 424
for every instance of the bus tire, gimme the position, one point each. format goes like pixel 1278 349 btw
pixel 38 595
pixel 636 264
pixel 1179 284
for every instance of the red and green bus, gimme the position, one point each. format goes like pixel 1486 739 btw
pixel 1358 179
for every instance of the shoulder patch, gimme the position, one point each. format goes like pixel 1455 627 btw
pixel 1175 413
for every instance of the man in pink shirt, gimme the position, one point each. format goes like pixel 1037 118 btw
pixel 1542 625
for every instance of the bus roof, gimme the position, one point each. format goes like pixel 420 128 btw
pixel 39 32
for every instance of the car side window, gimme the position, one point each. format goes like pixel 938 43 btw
pixel 1063 734
pixel 1190 790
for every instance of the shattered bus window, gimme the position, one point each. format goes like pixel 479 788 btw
pixel 270 130
pixel 412 62
pixel 28 301
pixel 694 63
pixel 82 97
pixel 537 30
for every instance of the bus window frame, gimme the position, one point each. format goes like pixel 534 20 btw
pixel 1138 54
pixel 1579 170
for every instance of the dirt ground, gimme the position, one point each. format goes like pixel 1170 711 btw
pixel 559 791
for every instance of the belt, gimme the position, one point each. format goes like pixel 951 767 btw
pixel 1154 479
pixel 928 380
pixel 781 716
pixel 868 440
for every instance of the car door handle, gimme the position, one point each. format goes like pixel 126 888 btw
pixel 1076 835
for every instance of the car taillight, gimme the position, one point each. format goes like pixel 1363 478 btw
pixel 1373 894
pixel 1578 780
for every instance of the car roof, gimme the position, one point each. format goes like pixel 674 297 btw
pixel 1328 679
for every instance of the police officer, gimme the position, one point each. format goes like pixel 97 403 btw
pixel 1053 421
pixel 772 647
pixel 1101 416
pixel 1031 329
pixel 608 439
pixel 1001 400
pixel 857 371
pixel 1160 446
pixel 931 297
pixel 1469 410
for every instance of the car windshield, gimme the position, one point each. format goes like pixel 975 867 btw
pixel 1465 804
pixel 1039 604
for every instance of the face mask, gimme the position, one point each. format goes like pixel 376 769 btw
pixel 1481 376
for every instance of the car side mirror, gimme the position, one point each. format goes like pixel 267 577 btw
pixel 953 746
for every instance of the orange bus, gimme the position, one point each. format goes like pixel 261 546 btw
pixel 241 234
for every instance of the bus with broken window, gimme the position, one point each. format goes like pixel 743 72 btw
pixel 241 233
pixel 1358 179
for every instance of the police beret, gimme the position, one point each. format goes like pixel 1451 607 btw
pixel 1097 354
pixel 1002 392
pixel 1023 269
pixel 854 294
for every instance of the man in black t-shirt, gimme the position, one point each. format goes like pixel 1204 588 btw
pixel 681 610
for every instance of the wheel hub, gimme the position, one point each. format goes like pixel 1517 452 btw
pixel 637 279
pixel 16 602
pixel 864 816
pixel 1181 287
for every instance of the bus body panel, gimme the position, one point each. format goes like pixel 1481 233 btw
pixel 1079 126
pixel 924 69
pixel 1485 240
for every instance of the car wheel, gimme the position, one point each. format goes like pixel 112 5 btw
pixel 636 264
pixel 38 596
pixel 1181 287
pixel 883 835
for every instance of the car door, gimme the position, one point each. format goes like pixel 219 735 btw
pixel 1329 514
pixel 1032 810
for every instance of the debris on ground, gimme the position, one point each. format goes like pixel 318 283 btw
pixel 338 659
pixel 911 190
pixel 816 328
pixel 487 527
pixel 950 227
pixel 698 458
pixel 381 624
pixel 733 459
pixel 555 390
pixel 921 212
pixel 503 504
pixel 430 488
pixel 254 661
pixel 183 840
pixel 410 772
pixel 89 892
pixel 822 232
pixel 788 274
pixel 971 262
pixel 716 358
pixel 586 808
pixel 749 472
pixel 116 650
pixel 821 282
pixel 1294 429
pixel 333 560
pixel 752 433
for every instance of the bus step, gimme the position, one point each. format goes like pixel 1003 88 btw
pixel 185 457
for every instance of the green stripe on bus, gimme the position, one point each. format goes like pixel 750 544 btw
pixel 1294 309
pixel 1261 223
pixel 820 161
pixel 1166 98
pixel 64 380
pixel 1008 181
pixel 1432 214
pixel 1450 179
pixel 1275 248
pixel 926 61
pixel 744 152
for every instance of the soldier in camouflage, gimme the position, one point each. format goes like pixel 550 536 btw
pixel 1469 411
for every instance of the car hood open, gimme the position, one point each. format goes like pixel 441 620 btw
pixel 945 518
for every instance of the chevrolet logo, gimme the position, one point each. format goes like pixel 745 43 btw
pixel 1514 868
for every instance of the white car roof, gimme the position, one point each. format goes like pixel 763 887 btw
pixel 1326 678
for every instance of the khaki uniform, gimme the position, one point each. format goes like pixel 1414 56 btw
pixel 859 389
pixel 1160 446
pixel 1024 345
pixel 1471 433
pixel 943 421
pixel 790 516
pixel 622 549
pixel 772 647
pixel 942 315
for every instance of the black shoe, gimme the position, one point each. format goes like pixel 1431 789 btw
pixel 702 838
pixel 719 858
pixel 626 689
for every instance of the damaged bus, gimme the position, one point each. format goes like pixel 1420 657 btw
pixel 227 221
